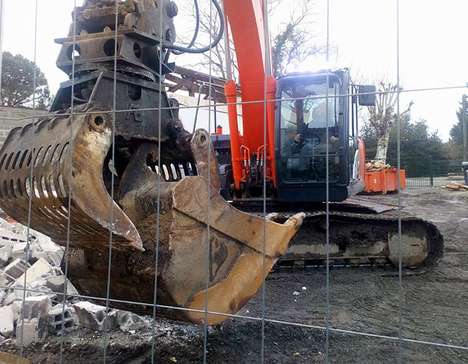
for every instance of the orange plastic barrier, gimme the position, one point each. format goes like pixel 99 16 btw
pixel 384 181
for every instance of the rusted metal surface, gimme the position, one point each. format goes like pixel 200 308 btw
pixel 196 82
pixel 45 148
pixel 210 255
pixel 228 257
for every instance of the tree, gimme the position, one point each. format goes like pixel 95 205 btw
pixel 291 45
pixel 383 116
pixel 18 83
pixel 455 144
pixel 422 152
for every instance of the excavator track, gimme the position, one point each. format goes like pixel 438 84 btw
pixel 363 239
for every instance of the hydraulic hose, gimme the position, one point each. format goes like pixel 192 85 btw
pixel 214 43
pixel 197 28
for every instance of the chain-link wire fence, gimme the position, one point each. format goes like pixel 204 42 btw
pixel 143 209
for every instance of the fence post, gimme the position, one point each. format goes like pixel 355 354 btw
pixel 431 166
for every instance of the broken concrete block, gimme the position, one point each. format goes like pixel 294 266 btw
pixel 14 270
pixel 8 236
pixel 30 331
pixel 7 320
pixel 38 288
pixel 9 299
pixel 94 317
pixel 3 295
pixel 36 271
pixel 130 322
pixel 34 307
pixel 4 281
pixel 5 254
pixel 45 248
pixel 34 289
pixel 18 250
pixel 53 257
pixel 61 320
pixel 19 293
pixel 57 284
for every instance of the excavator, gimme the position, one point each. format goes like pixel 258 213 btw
pixel 144 208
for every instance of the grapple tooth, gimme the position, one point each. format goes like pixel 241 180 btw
pixel 45 148
pixel 252 245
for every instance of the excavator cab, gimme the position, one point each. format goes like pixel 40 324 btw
pixel 312 131
pixel 315 138
pixel 316 126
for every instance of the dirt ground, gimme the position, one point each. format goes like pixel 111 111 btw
pixel 433 308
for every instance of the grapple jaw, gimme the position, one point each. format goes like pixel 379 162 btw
pixel 211 256
pixel 65 154
pixel 235 251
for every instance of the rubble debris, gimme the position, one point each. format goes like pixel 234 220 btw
pixel 7 358
pixel 9 299
pixel 5 254
pixel 36 288
pixel 29 331
pixel 45 283
pixel 14 270
pixel 10 238
pixel 131 322
pixel 61 319
pixel 18 250
pixel 46 249
pixel 39 269
pixel 57 283
pixel 34 307
pixel 4 282
pixel 376 166
pixel 7 320
pixel 94 316
pixel 34 316
pixel 454 186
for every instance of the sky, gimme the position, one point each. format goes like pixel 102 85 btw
pixel 433 50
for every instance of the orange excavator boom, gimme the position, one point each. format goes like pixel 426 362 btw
pixel 257 89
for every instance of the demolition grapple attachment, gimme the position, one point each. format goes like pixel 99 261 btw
pixel 113 158
pixel 48 160
pixel 211 256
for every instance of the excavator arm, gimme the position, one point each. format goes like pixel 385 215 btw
pixel 257 89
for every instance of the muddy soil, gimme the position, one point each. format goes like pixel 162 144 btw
pixel 433 308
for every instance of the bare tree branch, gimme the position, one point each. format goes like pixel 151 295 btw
pixel 292 43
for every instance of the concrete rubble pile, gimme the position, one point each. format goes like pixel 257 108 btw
pixel 32 285
pixel 376 166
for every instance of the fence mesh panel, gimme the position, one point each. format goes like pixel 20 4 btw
pixel 316 312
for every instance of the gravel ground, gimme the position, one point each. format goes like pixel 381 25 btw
pixel 433 308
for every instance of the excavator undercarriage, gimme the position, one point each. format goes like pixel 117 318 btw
pixel 111 169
